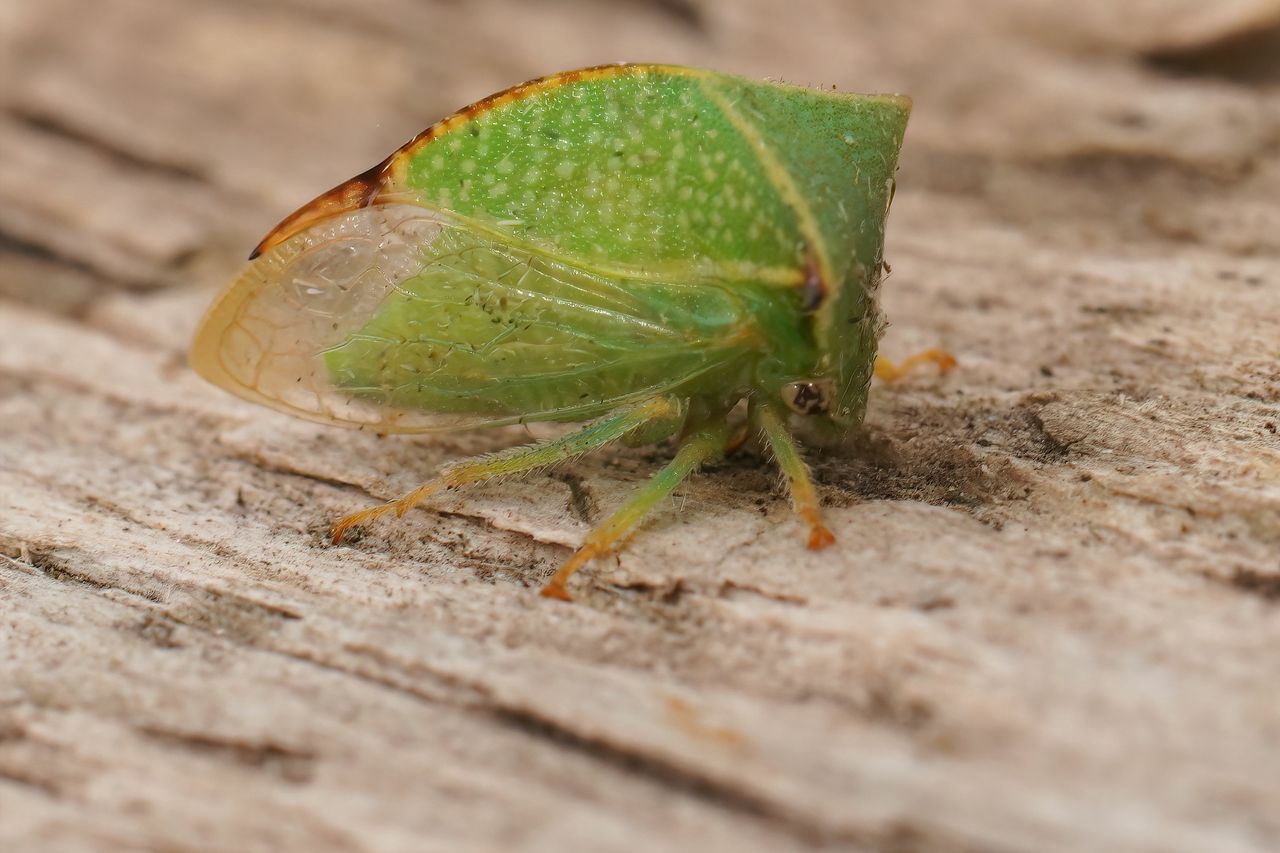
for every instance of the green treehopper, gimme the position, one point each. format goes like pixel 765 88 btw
pixel 641 247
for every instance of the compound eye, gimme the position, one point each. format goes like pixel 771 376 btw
pixel 812 397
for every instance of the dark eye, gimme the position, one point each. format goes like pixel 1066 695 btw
pixel 808 398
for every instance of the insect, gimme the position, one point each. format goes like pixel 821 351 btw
pixel 637 247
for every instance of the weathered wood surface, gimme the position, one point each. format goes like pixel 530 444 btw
pixel 1053 616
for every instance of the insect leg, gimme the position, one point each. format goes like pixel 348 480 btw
pixel 737 439
pixel 700 447
pixel 890 372
pixel 804 498
pixel 519 460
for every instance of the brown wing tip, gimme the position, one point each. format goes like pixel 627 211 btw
pixel 360 191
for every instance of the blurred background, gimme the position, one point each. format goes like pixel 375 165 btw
pixel 145 144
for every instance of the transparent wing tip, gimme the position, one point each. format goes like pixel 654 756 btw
pixel 264 336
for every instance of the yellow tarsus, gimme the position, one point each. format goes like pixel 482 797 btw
pixel 890 372
pixel 819 536
pixel 399 506
pixel 555 588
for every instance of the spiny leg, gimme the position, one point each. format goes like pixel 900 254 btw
pixel 701 447
pixel 890 372
pixel 518 460
pixel 771 421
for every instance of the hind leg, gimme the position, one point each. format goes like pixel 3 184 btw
pixel 519 460
pixel 700 447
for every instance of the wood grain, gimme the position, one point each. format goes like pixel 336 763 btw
pixel 1052 616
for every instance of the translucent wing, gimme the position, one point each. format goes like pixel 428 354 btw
pixel 403 318
pixel 663 173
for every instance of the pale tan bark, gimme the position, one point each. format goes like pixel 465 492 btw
pixel 1052 617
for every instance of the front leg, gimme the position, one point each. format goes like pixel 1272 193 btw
pixel 771 421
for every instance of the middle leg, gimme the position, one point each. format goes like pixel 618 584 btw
pixel 701 447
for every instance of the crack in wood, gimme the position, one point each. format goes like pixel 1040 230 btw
pixel 10 242
pixel 291 765
pixel 668 775
pixel 18 776
pixel 478 698
pixel 47 123
pixel 1264 585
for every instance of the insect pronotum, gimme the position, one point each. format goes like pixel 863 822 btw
pixel 636 246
